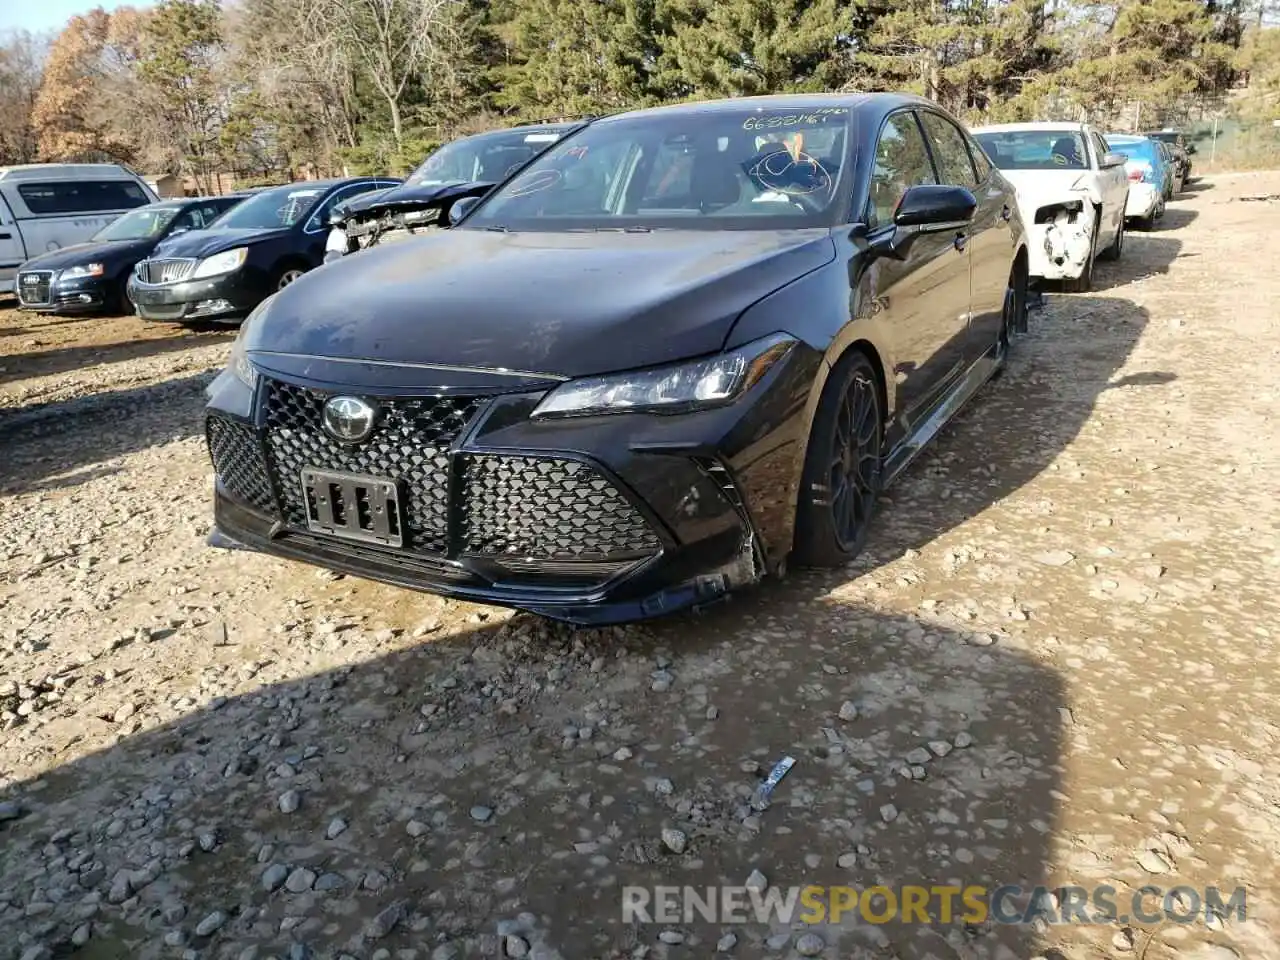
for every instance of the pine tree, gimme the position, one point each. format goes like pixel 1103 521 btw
pixel 578 56
pixel 729 48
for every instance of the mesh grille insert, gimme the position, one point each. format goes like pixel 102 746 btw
pixel 550 509
pixel 410 443
pixel 237 459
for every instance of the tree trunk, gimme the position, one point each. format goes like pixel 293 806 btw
pixel 396 125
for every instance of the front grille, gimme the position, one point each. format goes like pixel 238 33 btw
pixel 510 514
pixel 33 287
pixel 237 459
pixel 410 443
pixel 548 508
pixel 165 271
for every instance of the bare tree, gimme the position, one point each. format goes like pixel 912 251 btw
pixel 21 65
pixel 392 42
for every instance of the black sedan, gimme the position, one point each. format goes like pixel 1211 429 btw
pixel 258 247
pixel 464 169
pixel 681 347
pixel 91 277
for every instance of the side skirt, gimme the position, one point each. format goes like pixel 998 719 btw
pixel 909 448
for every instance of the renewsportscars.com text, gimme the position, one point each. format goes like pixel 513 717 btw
pixel 1009 904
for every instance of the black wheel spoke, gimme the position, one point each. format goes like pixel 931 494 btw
pixel 854 460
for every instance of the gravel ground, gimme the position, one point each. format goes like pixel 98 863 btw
pixel 1056 664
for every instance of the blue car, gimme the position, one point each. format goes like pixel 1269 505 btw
pixel 1149 173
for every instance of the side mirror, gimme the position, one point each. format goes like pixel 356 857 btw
pixel 461 209
pixel 177 230
pixel 926 208
pixel 936 206
pixel 1191 148
pixel 1110 160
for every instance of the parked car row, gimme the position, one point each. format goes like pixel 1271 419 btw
pixel 1078 188
pixel 622 366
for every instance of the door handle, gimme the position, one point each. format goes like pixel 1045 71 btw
pixel 960 241
pixel 6 236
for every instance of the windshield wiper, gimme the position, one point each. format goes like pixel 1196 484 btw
pixel 497 228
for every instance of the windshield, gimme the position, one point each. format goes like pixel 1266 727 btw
pixel 490 157
pixel 1035 149
pixel 701 170
pixel 271 209
pixel 139 224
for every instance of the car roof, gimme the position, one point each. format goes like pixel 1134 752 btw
pixel 321 185
pixel 1050 126
pixel 875 102
pixel 65 171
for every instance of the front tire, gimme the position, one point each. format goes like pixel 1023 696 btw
pixel 1084 282
pixel 1114 251
pixel 287 276
pixel 841 480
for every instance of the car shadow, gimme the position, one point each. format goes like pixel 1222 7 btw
pixel 1146 254
pixel 524 773
pixel 1175 218
pixel 1016 426
pixel 49 445
pixel 43 363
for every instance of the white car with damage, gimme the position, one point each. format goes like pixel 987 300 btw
pixel 1072 192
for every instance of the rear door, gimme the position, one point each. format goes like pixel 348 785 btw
pixel 1115 190
pixel 926 296
pixel 12 253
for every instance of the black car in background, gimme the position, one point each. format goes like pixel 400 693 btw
pixel 681 349
pixel 255 249
pixel 1182 151
pixel 463 169
pixel 91 277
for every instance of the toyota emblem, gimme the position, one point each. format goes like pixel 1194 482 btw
pixel 348 419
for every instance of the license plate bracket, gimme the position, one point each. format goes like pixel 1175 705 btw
pixel 352 506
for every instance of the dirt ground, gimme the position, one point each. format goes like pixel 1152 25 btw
pixel 1055 665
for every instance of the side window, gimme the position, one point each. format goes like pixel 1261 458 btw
pixel 980 161
pixel 81 196
pixel 189 219
pixel 902 161
pixel 949 150
pixel 670 176
pixel 320 219
pixel 1101 147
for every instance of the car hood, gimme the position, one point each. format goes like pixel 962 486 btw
pixel 416 196
pixel 205 243
pixel 568 304
pixel 101 251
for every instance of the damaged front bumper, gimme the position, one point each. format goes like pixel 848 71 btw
pixel 1061 239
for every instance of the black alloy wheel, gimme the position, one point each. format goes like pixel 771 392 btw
pixel 841 480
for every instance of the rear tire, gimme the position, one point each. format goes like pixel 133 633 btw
pixel 841 480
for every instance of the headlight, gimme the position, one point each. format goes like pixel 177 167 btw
pixel 83 270
pixel 709 382
pixel 238 362
pixel 224 262
pixel 336 242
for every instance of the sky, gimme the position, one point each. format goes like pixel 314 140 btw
pixel 40 15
